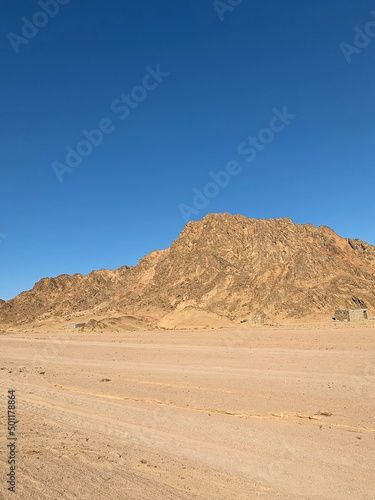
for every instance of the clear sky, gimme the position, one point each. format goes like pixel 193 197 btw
pixel 217 76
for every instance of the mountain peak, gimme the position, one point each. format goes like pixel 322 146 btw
pixel 223 268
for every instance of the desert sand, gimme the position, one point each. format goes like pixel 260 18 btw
pixel 282 412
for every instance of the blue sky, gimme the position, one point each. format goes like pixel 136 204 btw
pixel 225 78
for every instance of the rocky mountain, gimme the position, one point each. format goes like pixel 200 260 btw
pixel 62 296
pixel 221 269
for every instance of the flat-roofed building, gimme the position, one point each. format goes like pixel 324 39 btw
pixel 351 315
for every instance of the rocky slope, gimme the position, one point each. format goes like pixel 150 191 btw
pixel 223 268
pixel 62 296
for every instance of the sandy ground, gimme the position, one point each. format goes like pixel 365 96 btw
pixel 265 412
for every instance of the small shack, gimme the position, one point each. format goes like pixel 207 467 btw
pixel 258 319
pixel 351 315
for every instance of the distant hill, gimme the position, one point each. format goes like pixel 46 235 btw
pixel 221 269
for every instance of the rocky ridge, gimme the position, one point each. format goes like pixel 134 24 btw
pixel 222 269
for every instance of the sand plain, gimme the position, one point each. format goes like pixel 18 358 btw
pixel 284 412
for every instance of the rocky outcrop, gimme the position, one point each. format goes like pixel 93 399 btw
pixel 226 266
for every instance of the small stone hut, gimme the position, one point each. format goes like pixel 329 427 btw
pixel 258 319
pixel 351 315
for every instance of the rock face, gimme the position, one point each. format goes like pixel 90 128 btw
pixel 222 267
pixel 62 296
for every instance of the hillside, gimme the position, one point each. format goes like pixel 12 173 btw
pixel 221 269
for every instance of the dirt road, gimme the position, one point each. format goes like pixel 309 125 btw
pixel 266 412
